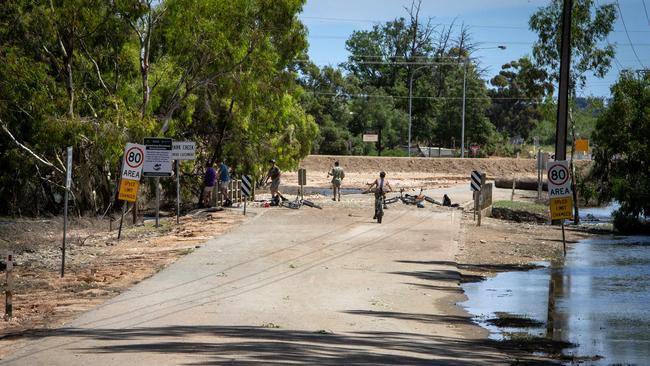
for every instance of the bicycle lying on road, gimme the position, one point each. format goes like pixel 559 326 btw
pixel 297 203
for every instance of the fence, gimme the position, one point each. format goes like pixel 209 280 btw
pixel 234 193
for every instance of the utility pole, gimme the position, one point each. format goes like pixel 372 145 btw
pixel 563 94
pixel 462 132
pixel 410 109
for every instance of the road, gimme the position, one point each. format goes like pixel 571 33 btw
pixel 305 287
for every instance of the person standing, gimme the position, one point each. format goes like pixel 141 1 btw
pixel 274 175
pixel 209 180
pixel 337 174
pixel 224 181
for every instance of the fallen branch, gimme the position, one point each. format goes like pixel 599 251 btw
pixel 42 160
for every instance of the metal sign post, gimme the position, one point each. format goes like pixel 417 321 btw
pixel 246 188
pixel 157 180
pixel 68 182
pixel 302 181
pixel 178 192
pixel 9 259
pixel 475 185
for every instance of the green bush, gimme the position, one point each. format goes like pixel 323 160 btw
pixel 630 225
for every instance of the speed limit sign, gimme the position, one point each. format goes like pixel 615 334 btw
pixel 133 161
pixel 559 179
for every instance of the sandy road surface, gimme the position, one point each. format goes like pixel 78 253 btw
pixel 301 286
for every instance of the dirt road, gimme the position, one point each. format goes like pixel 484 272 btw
pixel 304 286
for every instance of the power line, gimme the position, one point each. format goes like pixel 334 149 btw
pixel 645 9
pixel 419 97
pixel 618 5
pixel 523 43
pixel 512 27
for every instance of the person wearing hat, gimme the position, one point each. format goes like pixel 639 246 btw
pixel 274 175
pixel 337 174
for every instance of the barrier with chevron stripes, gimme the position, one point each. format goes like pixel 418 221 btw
pixel 246 185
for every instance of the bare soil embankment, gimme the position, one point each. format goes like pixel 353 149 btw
pixel 411 172
pixel 98 266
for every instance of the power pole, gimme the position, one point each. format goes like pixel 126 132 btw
pixel 563 93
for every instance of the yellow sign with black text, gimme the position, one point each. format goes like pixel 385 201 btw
pixel 128 190
pixel 561 208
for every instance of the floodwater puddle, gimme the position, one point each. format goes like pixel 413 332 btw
pixel 598 300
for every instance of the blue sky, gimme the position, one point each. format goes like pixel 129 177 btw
pixel 492 22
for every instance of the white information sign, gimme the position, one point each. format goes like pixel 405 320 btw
pixel 370 137
pixel 157 157
pixel 68 175
pixel 559 179
pixel 133 161
pixel 184 150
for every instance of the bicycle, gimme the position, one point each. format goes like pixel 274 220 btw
pixel 379 207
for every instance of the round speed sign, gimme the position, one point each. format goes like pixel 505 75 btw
pixel 134 157
pixel 558 174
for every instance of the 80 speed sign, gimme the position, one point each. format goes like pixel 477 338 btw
pixel 133 161
pixel 559 182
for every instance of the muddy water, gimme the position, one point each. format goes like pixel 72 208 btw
pixel 599 300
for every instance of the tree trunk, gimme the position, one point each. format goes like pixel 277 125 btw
pixel 572 169
pixel 70 86
pixel 145 45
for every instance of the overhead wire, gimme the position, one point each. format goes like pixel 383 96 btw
pixel 618 6
pixel 513 27
pixel 387 96
pixel 645 9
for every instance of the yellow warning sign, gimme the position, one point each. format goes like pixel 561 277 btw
pixel 561 208
pixel 582 145
pixel 128 190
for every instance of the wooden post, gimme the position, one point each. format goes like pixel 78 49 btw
pixel 119 231
pixel 135 212
pixel 563 238
pixel 539 174
pixel 9 287
pixel 514 183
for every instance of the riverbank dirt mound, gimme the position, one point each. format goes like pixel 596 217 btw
pixel 411 172
pixel 446 166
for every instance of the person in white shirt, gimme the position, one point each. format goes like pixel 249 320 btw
pixel 381 186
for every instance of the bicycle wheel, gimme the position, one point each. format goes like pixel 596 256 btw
pixel 311 204
pixel 379 209
pixel 289 204
pixel 392 200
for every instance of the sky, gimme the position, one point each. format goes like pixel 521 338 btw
pixel 492 23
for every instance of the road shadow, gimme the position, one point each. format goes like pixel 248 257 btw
pixel 238 345
pixel 479 267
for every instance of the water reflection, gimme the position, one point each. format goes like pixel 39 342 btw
pixel 598 299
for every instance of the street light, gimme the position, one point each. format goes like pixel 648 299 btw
pixel 462 129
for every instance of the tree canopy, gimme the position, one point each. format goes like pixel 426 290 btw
pixel 622 141
pixel 96 74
